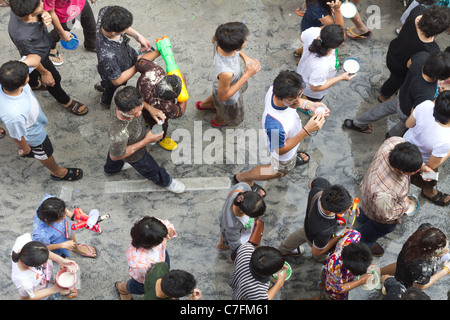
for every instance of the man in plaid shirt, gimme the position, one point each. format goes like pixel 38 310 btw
pixel 385 189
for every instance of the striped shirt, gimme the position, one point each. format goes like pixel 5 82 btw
pixel 140 260
pixel 384 190
pixel 246 285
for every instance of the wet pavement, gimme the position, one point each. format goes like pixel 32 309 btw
pixel 340 156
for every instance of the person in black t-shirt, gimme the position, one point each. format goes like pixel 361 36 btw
pixel 417 34
pixel 325 201
pixel 421 84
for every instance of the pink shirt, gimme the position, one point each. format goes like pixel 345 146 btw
pixel 66 10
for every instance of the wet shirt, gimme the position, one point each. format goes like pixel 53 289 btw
pixel 227 64
pixel 29 37
pixel 314 11
pixel 384 190
pixel 114 57
pixel 66 10
pixel 156 272
pixel 336 274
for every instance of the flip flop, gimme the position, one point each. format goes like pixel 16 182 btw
pixel 256 188
pixel 300 12
pixel 348 124
pixel 352 35
pixel 56 55
pixel 121 293
pixel 307 112
pixel 197 105
pixel 73 174
pixel 73 293
pixel 2 133
pixel 215 125
pixel 93 252
pixel 300 161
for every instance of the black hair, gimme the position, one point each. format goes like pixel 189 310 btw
pixel 148 232
pixel 434 20
pixel 406 157
pixel 331 37
pixel 116 19
pixel 169 87
pixel 437 65
pixel 336 199
pixel 441 110
pixel 32 254
pixel 178 283
pixel 128 98
pixel 231 36
pixel 13 75
pixel 51 210
pixel 251 203
pixel 356 257
pixel 426 2
pixel 266 261
pixel 22 8
pixel 288 84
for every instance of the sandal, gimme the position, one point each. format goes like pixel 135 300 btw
pixel 204 109
pixel 299 11
pixel 93 252
pixel 296 54
pixel 215 125
pixel 257 188
pixel 4 3
pixel 309 113
pixel 41 86
pixel 438 199
pixel 121 293
pixel 75 106
pixel 348 124
pixel 56 56
pixel 352 35
pixel 73 174
pixel 73 293
pixel 301 160
pixel 2 133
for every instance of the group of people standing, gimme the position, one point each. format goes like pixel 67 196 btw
pixel 419 70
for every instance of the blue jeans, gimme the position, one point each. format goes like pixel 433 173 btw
pixel 147 167
pixel 371 231
pixel 135 287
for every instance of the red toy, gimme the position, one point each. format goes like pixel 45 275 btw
pixel 90 221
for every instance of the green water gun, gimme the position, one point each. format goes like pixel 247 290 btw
pixel 165 49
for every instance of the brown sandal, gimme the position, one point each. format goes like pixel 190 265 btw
pixel 75 106
pixel 41 86
pixel 121 293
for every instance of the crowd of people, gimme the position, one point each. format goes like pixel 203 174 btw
pixel 417 91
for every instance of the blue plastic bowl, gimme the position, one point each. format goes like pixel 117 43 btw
pixel 352 59
pixel 72 44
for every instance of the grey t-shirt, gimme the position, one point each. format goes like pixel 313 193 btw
pixel 29 38
pixel 227 64
pixel 125 133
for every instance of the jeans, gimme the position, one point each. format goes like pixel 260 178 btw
pixel 382 110
pixel 88 23
pixel 146 166
pixel 370 230
pixel 135 287
pixel 56 91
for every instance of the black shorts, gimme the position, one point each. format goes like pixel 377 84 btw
pixel 42 151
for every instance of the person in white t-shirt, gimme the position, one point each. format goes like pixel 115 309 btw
pixel 31 270
pixel 284 130
pixel 429 125
pixel 318 65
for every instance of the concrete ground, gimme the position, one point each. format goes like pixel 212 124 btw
pixel 340 156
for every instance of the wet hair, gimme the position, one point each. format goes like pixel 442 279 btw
pixel 32 254
pixel 288 85
pixel 178 283
pixel 434 20
pixel 406 157
pixel 231 36
pixel 425 243
pixel 169 87
pixel 335 198
pixel 331 37
pixel 437 65
pixel 427 2
pixel 22 8
pixel 356 257
pixel 148 232
pixel 116 19
pixel 51 210
pixel 128 98
pixel 251 203
pixel 13 75
pixel 265 261
pixel 441 111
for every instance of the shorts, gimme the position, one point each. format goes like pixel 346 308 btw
pixel 283 166
pixel 42 151
pixel 232 114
